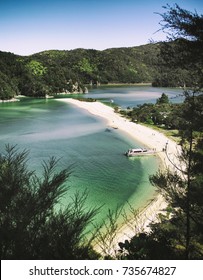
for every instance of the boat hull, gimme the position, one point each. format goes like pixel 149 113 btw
pixel 139 152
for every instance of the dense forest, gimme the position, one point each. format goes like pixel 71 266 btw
pixel 51 72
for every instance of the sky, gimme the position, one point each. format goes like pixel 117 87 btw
pixel 31 26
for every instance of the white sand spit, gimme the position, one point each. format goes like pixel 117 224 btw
pixel 149 138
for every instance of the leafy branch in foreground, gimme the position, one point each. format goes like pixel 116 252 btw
pixel 31 227
pixel 106 234
pixel 179 235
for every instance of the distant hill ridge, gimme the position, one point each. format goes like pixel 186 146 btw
pixel 55 71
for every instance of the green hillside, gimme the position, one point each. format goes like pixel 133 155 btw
pixel 51 72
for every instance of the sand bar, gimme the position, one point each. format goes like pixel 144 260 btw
pixel 149 138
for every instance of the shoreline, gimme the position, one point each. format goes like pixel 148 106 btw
pixel 126 84
pixel 9 100
pixel 148 138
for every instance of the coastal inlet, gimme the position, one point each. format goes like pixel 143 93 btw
pixel 53 128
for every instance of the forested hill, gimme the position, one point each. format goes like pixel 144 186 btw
pixel 54 71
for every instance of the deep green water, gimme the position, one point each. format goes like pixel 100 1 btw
pixel 53 128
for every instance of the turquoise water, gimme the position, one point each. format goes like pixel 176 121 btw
pixel 54 128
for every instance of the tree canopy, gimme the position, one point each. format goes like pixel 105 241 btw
pixel 180 59
pixel 32 223
pixel 179 233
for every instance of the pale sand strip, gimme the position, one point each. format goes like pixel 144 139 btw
pixel 149 138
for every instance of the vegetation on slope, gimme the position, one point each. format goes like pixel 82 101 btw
pixel 52 72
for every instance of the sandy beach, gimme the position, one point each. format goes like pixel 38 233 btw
pixel 149 138
pixel 9 100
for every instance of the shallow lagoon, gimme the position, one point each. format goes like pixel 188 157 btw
pixel 53 128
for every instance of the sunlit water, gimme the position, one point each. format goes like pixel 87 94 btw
pixel 53 128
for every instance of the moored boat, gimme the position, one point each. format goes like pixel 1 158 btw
pixel 139 152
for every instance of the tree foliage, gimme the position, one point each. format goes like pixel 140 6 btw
pixel 31 227
pixel 163 113
pixel 36 68
pixel 180 59
pixel 179 234
pixel 181 23
pixel 163 99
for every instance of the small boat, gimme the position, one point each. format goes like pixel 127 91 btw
pixel 139 152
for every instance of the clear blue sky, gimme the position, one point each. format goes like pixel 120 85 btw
pixel 30 26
